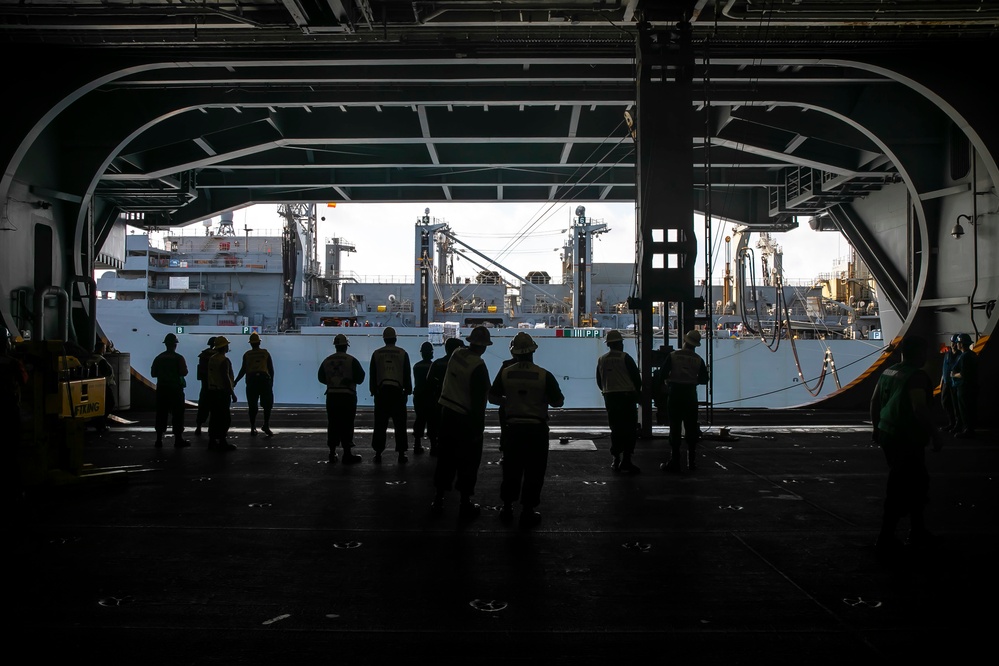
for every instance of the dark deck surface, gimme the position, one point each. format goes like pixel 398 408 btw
pixel 268 554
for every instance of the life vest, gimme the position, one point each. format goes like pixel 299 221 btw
pixel 614 376
pixel 896 415
pixel 458 379
pixel 339 371
pixel 220 373
pixel 524 385
pixel 685 367
pixel 389 365
pixel 255 362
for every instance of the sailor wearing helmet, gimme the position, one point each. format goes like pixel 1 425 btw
pixel 518 341
pixel 965 376
pixel 390 379
pixel 948 393
pixel 222 389
pixel 463 422
pixel 202 371
pixel 258 367
pixel 683 371
pixel 435 383
pixel 341 373
pixel 525 391
pixel 170 369
pixel 421 406
pixel 620 381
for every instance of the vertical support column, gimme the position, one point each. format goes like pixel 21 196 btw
pixel 666 244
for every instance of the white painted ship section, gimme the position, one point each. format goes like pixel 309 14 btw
pixel 746 373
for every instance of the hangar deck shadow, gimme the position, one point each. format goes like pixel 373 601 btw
pixel 271 555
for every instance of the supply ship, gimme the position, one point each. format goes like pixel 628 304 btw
pixel 778 343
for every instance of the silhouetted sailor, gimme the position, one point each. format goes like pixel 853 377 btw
pixel 222 392
pixel 204 404
pixel 683 371
pixel 948 393
pixel 258 368
pixel 104 369
pixel 620 381
pixel 341 373
pixel 501 411
pixel 965 378
pixel 435 383
pixel 170 369
pixel 390 379
pixel 463 422
pixel 900 413
pixel 421 395
pixel 525 391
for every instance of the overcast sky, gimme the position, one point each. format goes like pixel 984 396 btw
pixel 521 236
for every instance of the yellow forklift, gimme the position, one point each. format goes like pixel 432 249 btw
pixel 60 399
pixel 63 394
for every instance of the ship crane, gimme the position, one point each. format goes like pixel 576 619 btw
pixel 769 248
pixel 299 232
pixel 445 231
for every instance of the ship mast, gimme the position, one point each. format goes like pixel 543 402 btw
pixel 424 237
pixel 581 249
pixel 334 276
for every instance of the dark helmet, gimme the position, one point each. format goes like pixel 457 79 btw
pixel 523 343
pixel 614 336
pixel 693 337
pixel 966 340
pixel 170 339
pixel 479 336
pixel 451 344
pixel 221 342
pixel 954 339
pixel 426 347
pixel 341 340
pixel 211 342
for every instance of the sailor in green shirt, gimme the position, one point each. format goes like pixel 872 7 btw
pixel 900 412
